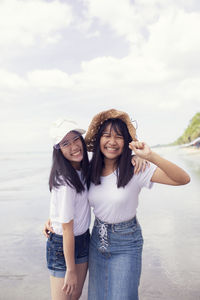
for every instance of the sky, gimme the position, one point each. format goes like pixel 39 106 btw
pixel 76 58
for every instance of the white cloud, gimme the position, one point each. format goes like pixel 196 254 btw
pixel 189 89
pixel 160 30
pixel 122 17
pixel 9 81
pixel 173 35
pixel 126 73
pixel 48 79
pixel 24 22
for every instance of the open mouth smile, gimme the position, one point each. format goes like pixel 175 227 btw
pixel 76 153
pixel 111 149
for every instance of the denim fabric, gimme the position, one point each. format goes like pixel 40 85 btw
pixel 55 256
pixel 115 261
pixel 58 274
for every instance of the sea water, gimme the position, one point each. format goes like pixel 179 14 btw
pixel 169 217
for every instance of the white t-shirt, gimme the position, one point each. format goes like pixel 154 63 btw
pixel 66 205
pixel 114 205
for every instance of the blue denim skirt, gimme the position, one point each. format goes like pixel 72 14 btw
pixel 55 255
pixel 115 260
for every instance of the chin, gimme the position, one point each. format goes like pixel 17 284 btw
pixel 78 159
pixel 111 156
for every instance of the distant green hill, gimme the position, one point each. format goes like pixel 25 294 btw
pixel 192 131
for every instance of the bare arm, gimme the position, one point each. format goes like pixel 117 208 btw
pixel 166 172
pixel 70 281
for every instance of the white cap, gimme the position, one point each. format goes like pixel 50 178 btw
pixel 61 127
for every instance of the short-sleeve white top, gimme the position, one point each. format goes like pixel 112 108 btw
pixel 66 205
pixel 114 205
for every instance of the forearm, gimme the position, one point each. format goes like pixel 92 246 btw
pixel 174 172
pixel 69 248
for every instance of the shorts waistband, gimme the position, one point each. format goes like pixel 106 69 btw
pixel 116 226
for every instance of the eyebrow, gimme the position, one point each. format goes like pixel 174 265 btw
pixel 72 139
pixel 106 131
pixel 109 132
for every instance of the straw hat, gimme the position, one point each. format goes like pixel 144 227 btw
pixel 100 118
pixel 61 127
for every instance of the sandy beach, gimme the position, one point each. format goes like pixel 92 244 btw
pixel 169 217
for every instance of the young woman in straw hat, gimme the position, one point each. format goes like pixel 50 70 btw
pixel 68 243
pixel 116 242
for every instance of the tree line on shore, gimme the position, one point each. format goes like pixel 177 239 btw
pixel 192 131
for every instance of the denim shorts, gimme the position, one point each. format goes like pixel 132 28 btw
pixel 55 255
pixel 115 260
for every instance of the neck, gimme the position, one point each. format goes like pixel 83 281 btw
pixel 76 165
pixel 110 164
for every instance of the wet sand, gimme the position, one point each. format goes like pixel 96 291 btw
pixel 169 217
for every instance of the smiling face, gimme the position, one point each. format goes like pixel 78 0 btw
pixel 72 148
pixel 111 143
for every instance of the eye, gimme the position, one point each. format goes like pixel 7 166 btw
pixel 106 134
pixel 64 144
pixel 119 137
pixel 76 138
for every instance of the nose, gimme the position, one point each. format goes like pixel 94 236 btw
pixel 73 146
pixel 112 140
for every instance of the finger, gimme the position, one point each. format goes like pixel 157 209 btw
pixel 133 162
pixel 45 233
pixel 48 228
pixel 130 146
pixel 69 290
pixel 144 166
pixel 64 287
pixel 139 145
pixel 136 145
pixel 136 171
pixel 136 168
pixel 73 288
pixel 139 166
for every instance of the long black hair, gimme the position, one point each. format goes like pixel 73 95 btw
pixel 124 166
pixel 62 172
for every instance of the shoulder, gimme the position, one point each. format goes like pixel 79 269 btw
pixel 144 177
pixel 64 188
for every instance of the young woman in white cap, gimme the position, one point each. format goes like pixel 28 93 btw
pixel 68 243
pixel 116 242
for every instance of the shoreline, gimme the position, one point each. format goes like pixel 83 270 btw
pixel 190 150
